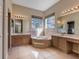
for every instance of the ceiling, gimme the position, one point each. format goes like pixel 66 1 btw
pixel 41 5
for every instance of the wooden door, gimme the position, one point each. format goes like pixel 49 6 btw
pixel 55 41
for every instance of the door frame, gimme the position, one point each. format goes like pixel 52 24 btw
pixel 9 29
pixel 4 56
pixel 3 30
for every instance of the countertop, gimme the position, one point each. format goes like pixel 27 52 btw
pixel 72 36
pixel 20 34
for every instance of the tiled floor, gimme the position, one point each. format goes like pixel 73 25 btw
pixel 29 52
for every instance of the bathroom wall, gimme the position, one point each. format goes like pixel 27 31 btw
pixel 27 13
pixel 73 17
pixel 26 24
pixel 57 9
pixel 17 9
pixel 61 6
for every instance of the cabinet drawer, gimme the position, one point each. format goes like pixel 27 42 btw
pixel 55 41
pixel 75 48
pixel 20 40
pixel 74 40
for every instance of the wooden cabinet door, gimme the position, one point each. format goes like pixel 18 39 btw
pixel 20 40
pixel 62 44
pixel 55 41
pixel 75 48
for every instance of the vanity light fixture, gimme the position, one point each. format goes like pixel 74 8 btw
pixel 64 11
pixel 76 8
pixel 71 10
pixel 19 17
pixel 58 22
pixel 68 10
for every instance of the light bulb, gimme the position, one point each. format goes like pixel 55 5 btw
pixel 72 9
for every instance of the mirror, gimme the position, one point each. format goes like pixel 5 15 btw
pixel 17 26
pixel 69 18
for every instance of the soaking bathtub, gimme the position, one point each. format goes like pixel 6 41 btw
pixel 41 41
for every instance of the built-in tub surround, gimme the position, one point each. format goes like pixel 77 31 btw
pixel 41 41
pixel 42 38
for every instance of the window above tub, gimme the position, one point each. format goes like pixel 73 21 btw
pixel 50 22
pixel 37 26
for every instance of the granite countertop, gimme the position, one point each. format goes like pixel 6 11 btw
pixel 20 34
pixel 72 36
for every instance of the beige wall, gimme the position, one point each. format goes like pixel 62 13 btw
pixel 27 13
pixel 73 17
pixel 9 3
pixel 26 24
pixel 57 8
pixel 61 6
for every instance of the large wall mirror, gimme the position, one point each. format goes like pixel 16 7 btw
pixel 69 23
pixel 17 26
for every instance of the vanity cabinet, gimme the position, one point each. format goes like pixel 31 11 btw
pixel 75 48
pixel 55 41
pixel 17 40
pixel 66 44
pixel 75 45
pixel 62 44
